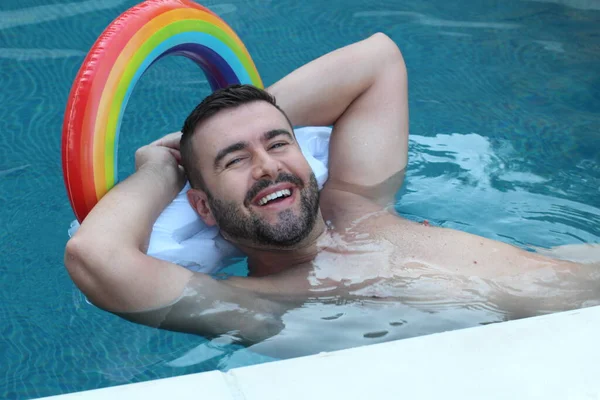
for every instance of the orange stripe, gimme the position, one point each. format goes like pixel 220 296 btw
pixel 105 51
pixel 116 73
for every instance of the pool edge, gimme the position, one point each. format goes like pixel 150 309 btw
pixel 552 357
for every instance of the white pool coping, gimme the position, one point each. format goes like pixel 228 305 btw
pixel 549 357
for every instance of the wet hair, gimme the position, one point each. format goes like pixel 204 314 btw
pixel 230 97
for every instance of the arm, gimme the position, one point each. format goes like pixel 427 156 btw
pixel 361 89
pixel 106 259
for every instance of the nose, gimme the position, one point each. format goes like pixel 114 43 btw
pixel 265 166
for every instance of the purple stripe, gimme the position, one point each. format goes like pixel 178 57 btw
pixel 218 73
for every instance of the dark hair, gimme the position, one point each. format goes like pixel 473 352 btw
pixel 222 99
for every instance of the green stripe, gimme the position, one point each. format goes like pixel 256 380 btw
pixel 134 64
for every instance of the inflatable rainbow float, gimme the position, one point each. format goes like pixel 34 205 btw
pixel 126 49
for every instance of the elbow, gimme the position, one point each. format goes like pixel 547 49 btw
pixel 387 51
pixel 75 263
pixel 78 262
pixel 72 255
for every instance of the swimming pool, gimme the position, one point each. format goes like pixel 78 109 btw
pixel 505 143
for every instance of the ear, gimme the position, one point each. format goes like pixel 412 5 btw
pixel 199 202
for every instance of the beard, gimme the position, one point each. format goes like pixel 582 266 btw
pixel 290 230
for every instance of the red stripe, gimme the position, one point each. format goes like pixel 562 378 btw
pixel 78 125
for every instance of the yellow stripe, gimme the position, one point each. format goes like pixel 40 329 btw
pixel 140 45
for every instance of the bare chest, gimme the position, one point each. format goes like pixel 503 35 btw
pixel 381 254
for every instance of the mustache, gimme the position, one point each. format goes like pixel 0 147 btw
pixel 264 183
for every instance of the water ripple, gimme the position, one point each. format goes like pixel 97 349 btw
pixel 38 54
pixel 9 171
pixel 432 21
pixel 223 9
pixel 493 190
pixel 551 45
pixel 578 4
pixel 36 15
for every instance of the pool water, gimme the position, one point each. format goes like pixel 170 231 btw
pixel 505 143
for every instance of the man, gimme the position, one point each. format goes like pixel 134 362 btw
pixel 342 256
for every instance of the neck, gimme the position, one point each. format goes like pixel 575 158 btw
pixel 268 261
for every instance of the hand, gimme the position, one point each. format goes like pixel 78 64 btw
pixel 164 151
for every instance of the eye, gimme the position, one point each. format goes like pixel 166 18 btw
pixel 278 145
pixel 233 162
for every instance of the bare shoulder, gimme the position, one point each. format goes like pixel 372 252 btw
pixel 342 207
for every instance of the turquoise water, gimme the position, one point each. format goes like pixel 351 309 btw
pixel 505 143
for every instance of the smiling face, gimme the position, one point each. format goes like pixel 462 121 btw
pixel 259 188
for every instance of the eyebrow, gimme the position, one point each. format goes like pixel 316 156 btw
pixel 276 132
pixel 243 145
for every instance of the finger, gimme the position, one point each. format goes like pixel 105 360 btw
pixel 176 154
pixel 171 140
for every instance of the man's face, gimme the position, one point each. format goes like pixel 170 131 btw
pixel 261 190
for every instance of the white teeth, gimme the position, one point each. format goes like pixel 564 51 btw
pixel 272 196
